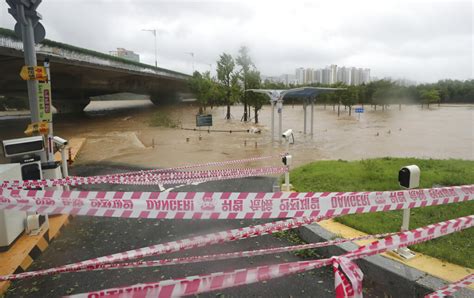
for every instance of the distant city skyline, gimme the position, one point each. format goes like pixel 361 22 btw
pixel 328 75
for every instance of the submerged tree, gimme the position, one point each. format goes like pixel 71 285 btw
pixel 201 86
pixel 257 100
pixel 429 96
pixel 245 63
pixel 225 69
pixel 349 97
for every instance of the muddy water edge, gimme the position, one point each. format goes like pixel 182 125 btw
pixel 120 132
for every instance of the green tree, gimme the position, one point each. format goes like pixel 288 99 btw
pixel 429 96
pixel 245 63
pixel 382 93
pixel 225 69
pixel 257 100
pixel 201 86
pixel 215 93
pixel 349 97
pixel 236 90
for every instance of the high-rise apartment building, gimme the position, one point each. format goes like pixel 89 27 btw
pixel 344 75
pixel 333 74
pixel 300 75
pixel 308 76
pixel 339 75
pixel 365 76
pixel 126 54
pixel 317 76
pixel 326 76
pixel 355 80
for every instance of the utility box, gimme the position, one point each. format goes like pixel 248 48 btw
pixel 23 146
pixel 12 223
pixel 31 167
pixel 409 176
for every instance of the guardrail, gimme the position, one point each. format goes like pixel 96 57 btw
pixel 12 43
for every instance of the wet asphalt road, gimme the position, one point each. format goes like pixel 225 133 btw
pixel 88 237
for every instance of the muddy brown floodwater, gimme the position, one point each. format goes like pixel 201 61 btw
pixel 119 132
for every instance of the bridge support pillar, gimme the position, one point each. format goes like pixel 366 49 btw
pixel 70 106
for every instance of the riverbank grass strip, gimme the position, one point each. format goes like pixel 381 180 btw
pixel 382 174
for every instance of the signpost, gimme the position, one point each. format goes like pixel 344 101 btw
pixel 44 101
pixel 359 111
pixel 31 31
pixel 41 128
pixel 203 120
pixel 33 73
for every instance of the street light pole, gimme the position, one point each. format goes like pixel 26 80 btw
pixel 154 34
pixel 192 57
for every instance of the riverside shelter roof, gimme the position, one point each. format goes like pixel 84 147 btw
pixel 299 93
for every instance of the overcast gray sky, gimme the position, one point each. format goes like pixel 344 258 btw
pixel 419 40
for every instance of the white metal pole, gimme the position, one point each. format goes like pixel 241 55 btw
pixel 287 174
pixel 64 165
pixel 406 219
pixel 273 120
pixel 280 112
pixel 304 118
pixel 156 60
pixel 287 179
pixel 312 118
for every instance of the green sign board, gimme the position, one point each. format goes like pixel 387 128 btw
pixel 44 102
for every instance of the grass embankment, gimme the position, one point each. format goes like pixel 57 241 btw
pixel 161 119
pixel 382 174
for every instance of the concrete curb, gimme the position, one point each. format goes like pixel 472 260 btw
pixel 388 276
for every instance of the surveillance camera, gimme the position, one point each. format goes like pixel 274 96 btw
pixel 287 134
pixel 409 176
pixel 286 160
pixel 60 141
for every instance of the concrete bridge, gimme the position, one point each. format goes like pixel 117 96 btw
pixel 78 74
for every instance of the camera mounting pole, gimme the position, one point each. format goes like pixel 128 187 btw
pixel 409 178
pixel 287 159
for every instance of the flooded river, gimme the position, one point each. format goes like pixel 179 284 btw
pixel 119 132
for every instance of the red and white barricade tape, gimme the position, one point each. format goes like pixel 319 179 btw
pixel 219 205
pixel 148 179
pixel 205 258
pixel 202 165
pixel 173 246
pixel 203 176
pixel 352 284
pixel 452 288
pixel 347 278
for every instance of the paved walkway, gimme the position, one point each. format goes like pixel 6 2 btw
pixel 88 237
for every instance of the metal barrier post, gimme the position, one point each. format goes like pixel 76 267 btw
pixel 405 220
pixel 273 120
pixel 287 158
pixel 64 164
